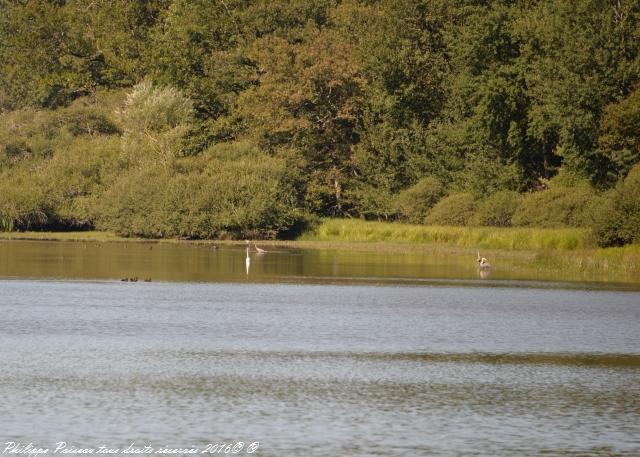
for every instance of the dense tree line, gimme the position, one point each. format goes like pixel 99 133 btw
pixel 209 118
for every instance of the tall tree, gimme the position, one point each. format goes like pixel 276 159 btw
pixel 577 58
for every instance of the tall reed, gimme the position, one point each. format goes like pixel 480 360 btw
pixel 481 237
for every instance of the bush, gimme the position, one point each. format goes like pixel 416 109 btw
pixel 618 221
pixel 155 121
pixel 414 203
pixel 204 197
pixel 23 204
pixel 556 207
pixel 17 150
pixel 155 109
pixel 498 209
pixel 58 192
pixel 88 122
pixel 75 178
pixel 456 209
pixel 620 133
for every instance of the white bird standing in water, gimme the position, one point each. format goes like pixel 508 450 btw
pixel 258 250
pixel 247 261
pixel 482 262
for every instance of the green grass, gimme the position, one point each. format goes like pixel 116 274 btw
pixel 64 236
pixel 520 239
pixel 623 262
pixel 565 252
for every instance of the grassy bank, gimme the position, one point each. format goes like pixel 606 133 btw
pixel 608 264
pixel 94 236
pixel 354 230
pixel 564 251
pixel 360 234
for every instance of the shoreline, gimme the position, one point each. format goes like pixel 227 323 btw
pixel 615 264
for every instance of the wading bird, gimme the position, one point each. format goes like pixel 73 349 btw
pixel 258 250
pixel 482 262
pixel 247 261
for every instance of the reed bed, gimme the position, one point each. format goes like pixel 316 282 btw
pixel 520 239
pixel 614 263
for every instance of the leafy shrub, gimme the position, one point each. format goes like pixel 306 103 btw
pixel 61 191
pixel 367 200
pixel 75 178
pixel 484 174
pixel 204 197
pixel 23 204
pixel 498 209
pixel 17 150
pixel 558 206
pixel 414 203
pixel 155 121
pixel 155 109
pixel 89 122
pixel 37 134
pixel 620 133
pixel 618 221
pixel 455 209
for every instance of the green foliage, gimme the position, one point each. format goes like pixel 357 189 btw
pixel 498 209
pixel 88 122
pixel 356 230
pixel 618 221
pixel 155 121
pixel 620 139
pixel 414 203
pixel 55 52
pixel 579 57
pixel 380 162
pixel 350 103
pixel 206 197
pixel 15 150
pixel 455 209
pixel 558 206
pixel 150 109
pixel 22 205
pixel 75 178
pixel 62 190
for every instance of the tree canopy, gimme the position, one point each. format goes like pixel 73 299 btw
pixel 358 108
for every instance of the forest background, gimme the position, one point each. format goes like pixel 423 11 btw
pixel 206 119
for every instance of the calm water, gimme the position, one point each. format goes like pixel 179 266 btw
pixel 311 353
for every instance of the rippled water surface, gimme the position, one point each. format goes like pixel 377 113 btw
pixel 382 368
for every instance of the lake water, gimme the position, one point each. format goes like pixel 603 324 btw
pixel 311 353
